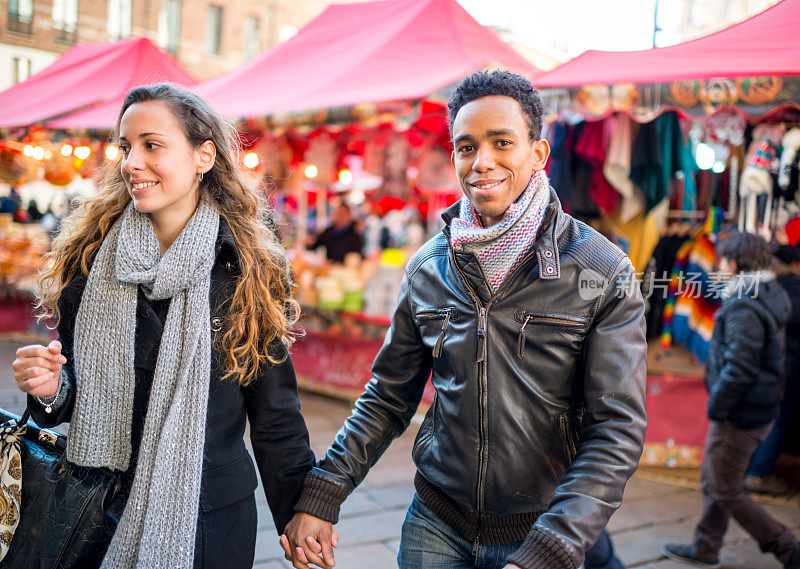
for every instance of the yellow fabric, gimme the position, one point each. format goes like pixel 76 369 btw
pixel 641 232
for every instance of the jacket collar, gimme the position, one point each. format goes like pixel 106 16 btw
pixel 546 243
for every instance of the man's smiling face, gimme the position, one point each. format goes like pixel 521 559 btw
pixel 493 154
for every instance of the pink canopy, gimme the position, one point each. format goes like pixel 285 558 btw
pixel 89 76
pixel 361 53
pixel 765 45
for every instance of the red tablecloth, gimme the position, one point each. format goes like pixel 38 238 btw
pixel 337 365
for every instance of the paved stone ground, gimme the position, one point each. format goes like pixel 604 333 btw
pixel 652 513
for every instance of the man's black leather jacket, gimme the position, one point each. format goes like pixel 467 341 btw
pixel 540 390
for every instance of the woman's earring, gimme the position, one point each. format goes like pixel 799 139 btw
pixel 201 176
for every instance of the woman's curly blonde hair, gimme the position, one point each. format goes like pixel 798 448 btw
pixel 259 308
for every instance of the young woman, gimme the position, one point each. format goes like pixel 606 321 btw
pixel 172 304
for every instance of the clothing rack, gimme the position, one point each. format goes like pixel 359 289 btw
pixel 679 213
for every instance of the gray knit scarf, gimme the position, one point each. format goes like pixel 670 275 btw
pixel 157 528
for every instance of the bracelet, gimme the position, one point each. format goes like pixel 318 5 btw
pixel 48 405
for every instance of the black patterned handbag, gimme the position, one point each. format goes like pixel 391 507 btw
pixel 65 518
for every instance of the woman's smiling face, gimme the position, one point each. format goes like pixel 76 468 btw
pixel 159 165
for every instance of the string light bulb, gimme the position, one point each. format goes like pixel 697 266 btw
pixel 83 152
pixel 250 160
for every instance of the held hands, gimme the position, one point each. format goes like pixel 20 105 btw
pixel 37 369
pixel 308 539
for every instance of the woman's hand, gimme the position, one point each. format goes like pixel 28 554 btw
pixel 37 369
pixel 309 540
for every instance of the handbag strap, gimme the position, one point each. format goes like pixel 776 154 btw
pixel 25 416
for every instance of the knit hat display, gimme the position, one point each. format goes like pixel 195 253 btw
pixel 757 180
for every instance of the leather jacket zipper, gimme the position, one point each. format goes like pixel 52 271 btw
pixel 482 387
pixel 482 380
pixel 526 317
pixel 481 335
pixel 437 349
pixel 569 446
pixel 521 339
pixel 445 314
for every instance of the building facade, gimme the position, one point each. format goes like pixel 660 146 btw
pixel 698 18
pixel 208 37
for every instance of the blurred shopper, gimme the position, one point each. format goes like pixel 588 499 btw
pixel 341 237
pixel 19 211
pixel 171 298
pixel 744 377
pixel 760 475
pixel 532 328
pixel 34 215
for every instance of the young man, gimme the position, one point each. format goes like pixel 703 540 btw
pixel 744 377
pixel 536 343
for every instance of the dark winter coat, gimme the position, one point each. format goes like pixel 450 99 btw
pixel 339 242
pixel 745 368
pixel 227 520
pixel 791 284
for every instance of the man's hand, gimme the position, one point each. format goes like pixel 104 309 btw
pixel 37 369
pixel 511 566
pixel 308 539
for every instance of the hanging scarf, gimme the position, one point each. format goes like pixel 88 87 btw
pixel 157 528
pixel 502 246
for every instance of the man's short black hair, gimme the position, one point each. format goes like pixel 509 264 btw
pixel 749 252
pixel 487 83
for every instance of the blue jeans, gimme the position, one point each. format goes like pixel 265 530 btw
pixel 427 541
pixel 601 555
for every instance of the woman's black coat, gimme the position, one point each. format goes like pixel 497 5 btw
pixel 227 520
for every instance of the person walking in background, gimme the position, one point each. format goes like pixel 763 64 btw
pixel 760 476
pixel 172 306
pixel 538 419
pixel 744 377
pixel 34 215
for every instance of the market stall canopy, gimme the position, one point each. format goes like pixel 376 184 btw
pixel 753 65
pixel 361 53
pixel 88 76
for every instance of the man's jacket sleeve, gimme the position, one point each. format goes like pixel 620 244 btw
pixel 383 411
pixel 612 431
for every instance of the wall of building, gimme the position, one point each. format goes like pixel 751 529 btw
pixel 702 17
pixel 38 60
pixel 279 19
